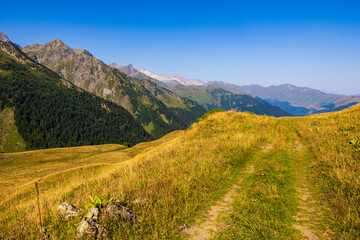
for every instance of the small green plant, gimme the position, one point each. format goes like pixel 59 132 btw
pixel 97 202
pixel 355 142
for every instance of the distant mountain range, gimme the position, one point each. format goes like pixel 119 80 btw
pixel 297 101
pixel 160 103
pixel 163 78
pixel 210 95
pixel 300 101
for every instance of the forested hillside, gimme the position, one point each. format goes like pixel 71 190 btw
pixel 51 112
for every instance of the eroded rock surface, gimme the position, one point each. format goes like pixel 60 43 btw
pixel 89 227
pixel 67 210
pixel 116 211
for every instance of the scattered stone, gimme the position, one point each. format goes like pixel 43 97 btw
pixel 123 214
pixel 139 201
pixel 93 213
pixel 183 227
pixel 314 123
pixel 89 228
pixel 67 210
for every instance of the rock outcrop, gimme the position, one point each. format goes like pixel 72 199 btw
pixel 89 227
pixel 67 210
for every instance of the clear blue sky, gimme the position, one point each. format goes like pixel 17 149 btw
pixel 306 43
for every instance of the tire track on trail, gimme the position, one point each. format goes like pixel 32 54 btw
pixel 308 215
pixel 210 227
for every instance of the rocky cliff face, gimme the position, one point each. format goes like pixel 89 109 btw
pixel 4 38
pixel 89 73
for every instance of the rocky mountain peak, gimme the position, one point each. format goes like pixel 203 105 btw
pixel 56 43
pixel 33 47
pixel 3 37
pixel 128 69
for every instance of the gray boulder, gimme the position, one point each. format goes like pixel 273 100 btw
pixel 67 210
pixel 123 214
pixel 89 227
pixel 94 213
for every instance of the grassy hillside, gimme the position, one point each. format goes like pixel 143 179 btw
pixel 236 175
pixel 10 139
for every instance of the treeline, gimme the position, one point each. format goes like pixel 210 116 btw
pixel 50 114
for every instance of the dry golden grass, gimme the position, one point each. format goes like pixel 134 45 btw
pixel 176 179
pixel 173 180
pixel 336 165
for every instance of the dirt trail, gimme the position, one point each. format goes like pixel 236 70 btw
pixel 209 227
pixel 308 215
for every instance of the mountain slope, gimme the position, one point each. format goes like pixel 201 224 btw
pixel 300 101
pixel 51 112
pixel 89 73
pixel 10 139
pixel 212 97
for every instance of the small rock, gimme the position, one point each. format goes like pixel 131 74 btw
pixel 89 228
pixel 183 227
pixel 139 201
pixel 67 210
pixel 116 211
pixel 314 123
pixel 93 213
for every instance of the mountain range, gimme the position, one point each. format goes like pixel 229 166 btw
pixel 300 101
pixel 297 101
pixel 157 109
pixel 162 78
pixel 155 104
pixel 209 95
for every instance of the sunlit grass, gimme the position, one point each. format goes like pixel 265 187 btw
pixel 173 180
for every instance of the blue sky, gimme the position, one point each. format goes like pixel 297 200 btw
pixel 306 43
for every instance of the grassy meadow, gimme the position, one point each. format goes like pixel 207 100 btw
pixel 303 180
